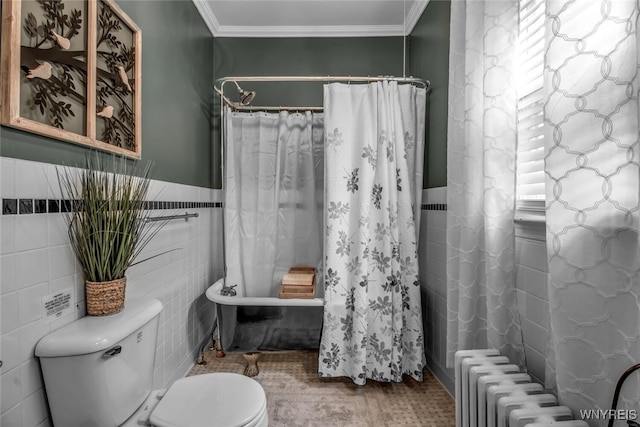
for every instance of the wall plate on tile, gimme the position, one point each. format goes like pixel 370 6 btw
pixel 57 305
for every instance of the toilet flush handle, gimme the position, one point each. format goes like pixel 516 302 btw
pixel 113 351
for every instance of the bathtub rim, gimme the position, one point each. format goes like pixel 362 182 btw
pixel 213 295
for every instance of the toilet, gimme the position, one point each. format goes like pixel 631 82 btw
pixel 98 371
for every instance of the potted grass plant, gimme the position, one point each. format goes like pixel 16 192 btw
pixel 108 225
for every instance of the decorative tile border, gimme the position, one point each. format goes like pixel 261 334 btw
pixel 434 207
pixel 39 206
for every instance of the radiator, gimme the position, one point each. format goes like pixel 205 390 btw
pixel 492 392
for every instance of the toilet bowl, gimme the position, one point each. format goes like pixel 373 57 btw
pixel 208 400
pixel 98 371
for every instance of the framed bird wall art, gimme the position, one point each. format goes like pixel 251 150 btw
pixel 71 70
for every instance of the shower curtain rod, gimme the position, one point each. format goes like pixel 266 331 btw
pixel 237 106
pixel 414 80
pixel 327 79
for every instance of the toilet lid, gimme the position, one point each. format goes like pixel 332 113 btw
pixel 210 400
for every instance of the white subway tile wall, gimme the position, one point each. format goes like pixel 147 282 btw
pixel 531 283
pixel 432 253
pixel 533 302
pixel 36 260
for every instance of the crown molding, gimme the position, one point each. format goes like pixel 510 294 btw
pixel 218 30
pixel 310 31
pixel 207 15
pixel 414 15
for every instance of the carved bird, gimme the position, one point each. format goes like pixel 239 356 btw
pixel 63 42
pixel 123 76
pixel 106 112
pixel 42 71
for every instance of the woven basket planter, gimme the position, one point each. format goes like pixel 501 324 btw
pixel 105 298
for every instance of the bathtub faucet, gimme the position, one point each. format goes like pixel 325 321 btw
pixel 228 290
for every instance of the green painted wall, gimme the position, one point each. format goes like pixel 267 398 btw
pixel 300 56
pixel 177 67
pixel 429 54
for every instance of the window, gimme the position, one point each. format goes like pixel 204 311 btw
pixel 530 191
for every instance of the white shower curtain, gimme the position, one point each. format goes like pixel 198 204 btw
pixel 481 295
pixel 373 176
pixel 273 197
pixel 592 192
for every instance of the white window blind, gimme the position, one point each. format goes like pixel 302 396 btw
pixel 530 192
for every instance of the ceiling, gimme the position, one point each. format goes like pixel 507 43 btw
pixel 310 18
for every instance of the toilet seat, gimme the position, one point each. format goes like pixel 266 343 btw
pixel 212 400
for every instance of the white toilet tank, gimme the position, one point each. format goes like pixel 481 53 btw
pixel 98 370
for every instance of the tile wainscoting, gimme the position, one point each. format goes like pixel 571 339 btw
pixel 432 253
pixel 531 284
pixel 36 260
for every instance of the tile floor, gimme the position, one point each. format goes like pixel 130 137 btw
pixel 296 396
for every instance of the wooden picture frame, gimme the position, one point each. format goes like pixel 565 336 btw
pixel 71 70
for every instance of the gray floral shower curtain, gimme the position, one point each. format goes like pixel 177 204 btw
pixel 373 163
